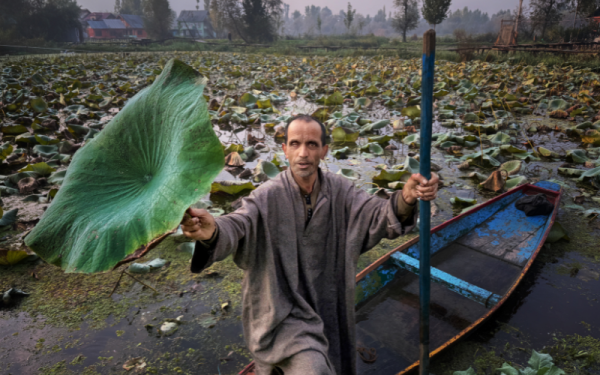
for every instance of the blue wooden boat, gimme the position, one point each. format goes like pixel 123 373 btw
pixel 477 260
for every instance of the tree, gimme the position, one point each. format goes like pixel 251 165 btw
pixel 319 23
pixel 349 17
pixel 46 19
pixel 545 13
pixel 216 17
pixel 435 11
pixel 260 19
pixel 380 16
pixel 129 7
pixel 158 18
pixel 407 17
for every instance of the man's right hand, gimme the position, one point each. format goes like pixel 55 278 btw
pixel 198 224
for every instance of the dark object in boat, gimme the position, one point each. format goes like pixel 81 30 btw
pixel 534 205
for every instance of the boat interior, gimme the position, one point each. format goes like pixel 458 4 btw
pixel 477 259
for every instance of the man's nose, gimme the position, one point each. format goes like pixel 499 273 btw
pixel 303 151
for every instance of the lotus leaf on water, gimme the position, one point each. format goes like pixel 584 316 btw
pixel 231 187
pixel 341 134
pixel 133 182
pixel 341 153
pixel 462 202
pixel 349 173
pixel 512 167
pixel 514 182
pixel 577 156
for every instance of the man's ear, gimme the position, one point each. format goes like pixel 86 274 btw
pixel 284 147
pixel 325 149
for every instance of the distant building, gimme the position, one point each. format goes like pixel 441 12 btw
pixel 125 26
pixel 134 26
pixel 194 24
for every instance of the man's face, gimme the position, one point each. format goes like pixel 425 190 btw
pixel 304 149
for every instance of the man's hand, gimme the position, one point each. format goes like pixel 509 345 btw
pixel 417 187
pixel 198 224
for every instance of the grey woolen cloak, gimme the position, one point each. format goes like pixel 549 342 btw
pixel 298 288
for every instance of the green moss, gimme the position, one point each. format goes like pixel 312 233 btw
pixel 576 354
pixel 469 354
pixel 67 299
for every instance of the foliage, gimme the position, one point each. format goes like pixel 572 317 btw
pixel 259 22
pixel 435 11
pixel 540 364
pixel 545 13
pixel 407 17
pixel 158 18
pixel 51 20
pixel 349 18
pixel 129 7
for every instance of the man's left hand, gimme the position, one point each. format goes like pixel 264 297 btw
pixel 418 187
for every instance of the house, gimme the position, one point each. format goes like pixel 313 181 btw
pixel 125 26
pixel 195 24
pixel 134 26
pixel 106 29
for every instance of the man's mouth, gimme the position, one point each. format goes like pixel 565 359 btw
pixel 303 164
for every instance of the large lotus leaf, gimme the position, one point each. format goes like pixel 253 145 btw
pixel 514 182
pixel 133 182
pixel 512 167
pixel 374 126
pixel 411 112
pixel 42 169
pixel 593 175
pixel 349 174
pixel 341 134
pixel 577 156
pixel 412 140
pixel 38 105
pixel 334 99
pixel 9 218
pixel 556 104
pixel 247 99
pixel 500 138
pixel 12 257
pixel 462 202
pixel 5 150
pixel 591 137
pixel 390 176
pixel 231 187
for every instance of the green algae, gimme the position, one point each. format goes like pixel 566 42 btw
pixel 68 300
pixel 576 353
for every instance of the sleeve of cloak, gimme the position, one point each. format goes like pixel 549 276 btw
pixel 236 235
pixel 372 218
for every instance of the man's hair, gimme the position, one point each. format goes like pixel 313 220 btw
pixel 307 118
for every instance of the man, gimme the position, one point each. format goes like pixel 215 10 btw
pixel 298 238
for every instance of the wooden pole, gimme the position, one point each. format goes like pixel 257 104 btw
pixel 425 207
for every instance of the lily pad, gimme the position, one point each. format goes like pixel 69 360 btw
pixel 512 167
pixel 577 156
pixel 341 134
pixel 133 181
pixel 514 182
pixel 231 187
pixel 462 202
pixel 349 173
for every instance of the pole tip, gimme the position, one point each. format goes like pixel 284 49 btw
pixel 429 42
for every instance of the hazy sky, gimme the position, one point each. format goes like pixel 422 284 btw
pixel 363 6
